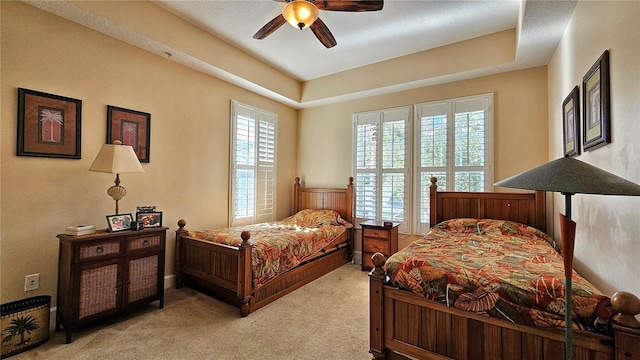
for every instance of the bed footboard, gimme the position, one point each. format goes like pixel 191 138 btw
pixel 224 271
pixel 411 325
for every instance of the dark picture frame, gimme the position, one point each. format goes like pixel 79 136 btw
pixel 596 126
pixel 571 123
pixel 119 222
pixel 150 219
pixel 48 125
pixel 132 128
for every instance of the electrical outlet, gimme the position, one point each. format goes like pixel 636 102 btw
pixel 31 282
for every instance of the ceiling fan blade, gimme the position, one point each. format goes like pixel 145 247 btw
pixel 270 27
pixel 321 31
pixel 350 5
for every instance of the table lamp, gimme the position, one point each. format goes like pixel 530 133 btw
pixel 116 159
pixel 570 176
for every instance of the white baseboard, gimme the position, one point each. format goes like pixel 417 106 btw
pixel 357 257
pixel 170 281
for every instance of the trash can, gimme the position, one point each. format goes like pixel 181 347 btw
pixel 24 324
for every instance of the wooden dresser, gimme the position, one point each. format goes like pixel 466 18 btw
pixel 105 274
pixel 378 238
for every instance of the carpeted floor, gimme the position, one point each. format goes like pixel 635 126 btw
pixel 326 319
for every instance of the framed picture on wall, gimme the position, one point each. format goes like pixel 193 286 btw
pixel 48 125
pixel 132 128
pixel 571 123
pixel 596 127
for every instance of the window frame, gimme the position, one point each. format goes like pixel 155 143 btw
pixel 415 191
pixel 263 165
pixel 380 117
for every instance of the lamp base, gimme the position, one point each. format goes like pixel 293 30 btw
pixel 117 192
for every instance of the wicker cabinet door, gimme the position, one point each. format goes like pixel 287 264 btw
pixel 99 290
pixel 142 275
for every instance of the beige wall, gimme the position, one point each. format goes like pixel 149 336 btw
pixel 520 125
pixel 607 240
pixel 188 173
pixel 520 100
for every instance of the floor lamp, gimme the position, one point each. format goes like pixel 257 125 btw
pixel 569 176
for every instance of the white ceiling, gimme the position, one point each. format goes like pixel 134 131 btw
pixel 402 27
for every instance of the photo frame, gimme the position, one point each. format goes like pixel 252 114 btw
pixel 150 219
pixel 48 125
pixel 132 128
pixel 571 123
pixel 596 127
pixel 119 222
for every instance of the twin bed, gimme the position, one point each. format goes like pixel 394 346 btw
pixel 250 267
pixel 433 299
pixel 487 283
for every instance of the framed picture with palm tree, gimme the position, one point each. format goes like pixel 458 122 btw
pixel 131 127
pixel 48 125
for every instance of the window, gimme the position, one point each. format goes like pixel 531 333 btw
pixel 253 165
pixel 382 162
pixel 453 142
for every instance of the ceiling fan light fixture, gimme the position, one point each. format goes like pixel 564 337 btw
pixel 300 13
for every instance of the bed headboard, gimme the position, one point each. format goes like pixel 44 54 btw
pixel 526 208
pixel 337 199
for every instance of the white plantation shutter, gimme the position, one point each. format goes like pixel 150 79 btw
pixel 253 165
pixel 266 177
pixel 381 165
pixel 453 143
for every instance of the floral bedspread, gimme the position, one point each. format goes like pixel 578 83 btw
pixel 282 245
pixel 500 268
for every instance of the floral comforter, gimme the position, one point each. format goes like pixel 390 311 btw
pixel 500 268
pixel 282 245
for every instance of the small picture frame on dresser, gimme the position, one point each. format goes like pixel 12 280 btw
pixel 150 219
pixel 119 222
pixel 387 224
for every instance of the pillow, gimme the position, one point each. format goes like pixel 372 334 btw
pixel 310 217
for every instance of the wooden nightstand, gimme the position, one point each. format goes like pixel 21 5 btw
pixel 104 274
pixel 378 238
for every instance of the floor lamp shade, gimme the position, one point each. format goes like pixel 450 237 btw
pixel 116 159
pixel 570 176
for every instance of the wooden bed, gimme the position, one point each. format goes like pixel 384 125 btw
pixel 411 325
pixel 225 271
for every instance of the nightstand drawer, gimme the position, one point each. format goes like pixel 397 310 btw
pixel 382 234
pixel 143 243
pixel 98 250
pixel 374 245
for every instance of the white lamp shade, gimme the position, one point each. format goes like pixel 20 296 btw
pixel 116 159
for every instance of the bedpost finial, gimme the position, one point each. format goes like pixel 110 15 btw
pixel 297 180
pixel 378 259
pixel 628 306
pixel 434 180
pixel 350 180
pixel 181 224
pixel 245 235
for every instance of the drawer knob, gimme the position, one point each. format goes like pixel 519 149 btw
pixel 145 242
pixel 99 249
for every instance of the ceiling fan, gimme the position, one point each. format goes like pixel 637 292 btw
pixel 304 13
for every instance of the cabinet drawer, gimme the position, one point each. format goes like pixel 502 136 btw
pixel 382 234
pixel 373 246
pixel 143 242
pixel 99 249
